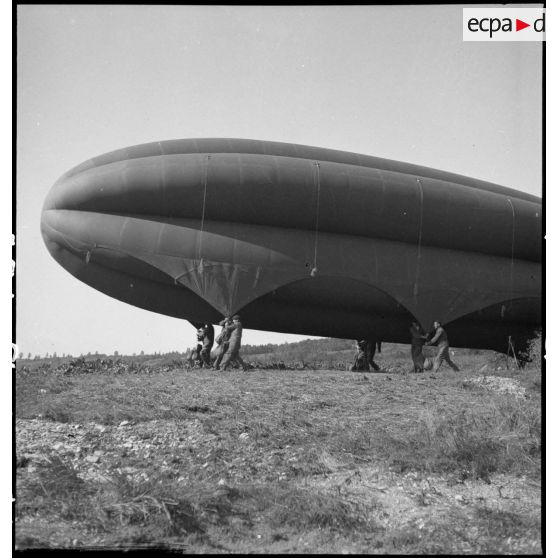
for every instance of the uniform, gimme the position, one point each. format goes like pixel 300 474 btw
pixel 418 340
pixel 223 343
pixel 235 338
pixel 441 339
pixel 195 356
pixel 371 351
pixel 360 364
pixel 207 344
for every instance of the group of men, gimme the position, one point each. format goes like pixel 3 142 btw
pixel 364 358
pixel 228 342
pixel 230 337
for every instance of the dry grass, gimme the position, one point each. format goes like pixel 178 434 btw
pixel 273 461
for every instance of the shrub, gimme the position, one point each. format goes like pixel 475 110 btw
pixel 303 508
pixel 147 504
pixel 505 437
pixel 58 487
pixel 534 353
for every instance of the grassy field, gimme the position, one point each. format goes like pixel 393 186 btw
pixel 279 461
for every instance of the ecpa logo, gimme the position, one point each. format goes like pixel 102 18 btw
pixel 503 24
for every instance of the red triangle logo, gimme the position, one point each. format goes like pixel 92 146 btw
pixel 519 25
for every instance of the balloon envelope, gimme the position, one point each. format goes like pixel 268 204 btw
pixel 301 239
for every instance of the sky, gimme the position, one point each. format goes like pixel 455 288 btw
pixel 389 81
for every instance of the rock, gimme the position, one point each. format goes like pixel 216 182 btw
pixel 124 423
pixel 22 461
pixel 92 458
pixel 496 383
pixel 236 522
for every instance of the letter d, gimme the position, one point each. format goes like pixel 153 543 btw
pixel 536 24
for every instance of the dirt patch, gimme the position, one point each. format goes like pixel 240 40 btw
pixel 278 461
pixel 499 384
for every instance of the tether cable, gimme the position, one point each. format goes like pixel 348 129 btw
pixel 203 206
pixel 317 182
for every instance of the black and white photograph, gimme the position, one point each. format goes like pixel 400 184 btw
pixel 278 278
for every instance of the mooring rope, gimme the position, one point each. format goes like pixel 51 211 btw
pixel 318 187
pixel 203 206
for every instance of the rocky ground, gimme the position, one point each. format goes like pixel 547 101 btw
pixel 308 461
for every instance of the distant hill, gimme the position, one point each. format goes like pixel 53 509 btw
pixel 310 345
